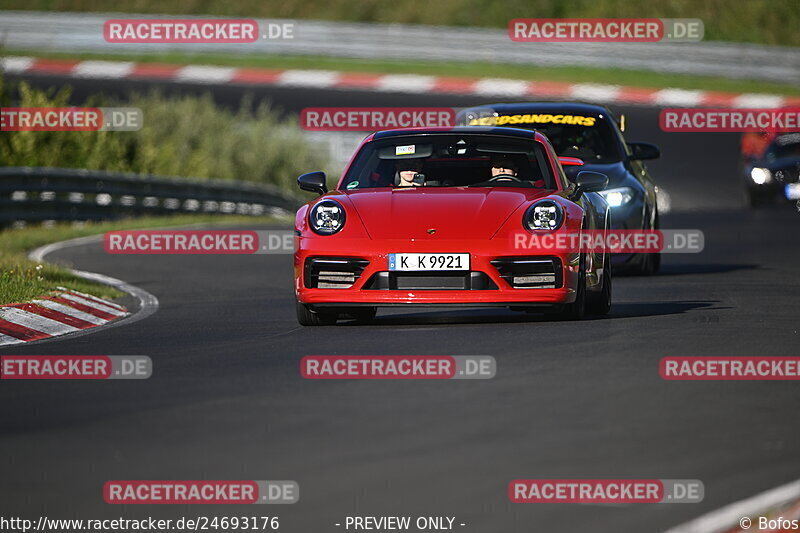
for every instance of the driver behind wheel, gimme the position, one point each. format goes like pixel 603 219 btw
pixel 408 173
pixel 503 166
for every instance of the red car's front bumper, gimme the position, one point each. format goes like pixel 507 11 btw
pixel 376 254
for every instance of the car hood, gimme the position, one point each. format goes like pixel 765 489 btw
pixel 452 212
pixel 784 163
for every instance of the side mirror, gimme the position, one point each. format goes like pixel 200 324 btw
pixel 641 151
pixel 313 182
pixel 570 161
pixel 588 181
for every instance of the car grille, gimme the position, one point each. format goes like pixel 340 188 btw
pixel 788 175
pixel 333 272
pixel 530 272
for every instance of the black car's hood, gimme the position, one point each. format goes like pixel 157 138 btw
pixel 784 163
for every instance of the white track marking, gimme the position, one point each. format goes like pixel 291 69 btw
pixel 103 69
pixel 61 308
pixel 501 86
pixel 93 298
pixel 15 65
pixel 309 78
pixel 205 74
pixel 406 83
pixel 35 322
pixel 94 305
pixel 678 97
pixel 758 100
pixel 594 92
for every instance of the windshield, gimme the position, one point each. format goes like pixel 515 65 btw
pixel 450 161
pixel 784 146
pixel 589 138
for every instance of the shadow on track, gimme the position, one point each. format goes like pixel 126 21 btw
pixel 643 309
pixel 492 316
pixel 703 268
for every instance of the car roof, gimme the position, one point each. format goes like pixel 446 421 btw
pixel 543 107
pixel 470 130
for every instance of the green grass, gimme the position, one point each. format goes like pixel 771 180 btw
pixel 756 21
pixel 633 78
pixel 22 280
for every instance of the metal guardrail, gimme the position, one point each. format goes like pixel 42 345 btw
pixel 83 32
pixel 33 194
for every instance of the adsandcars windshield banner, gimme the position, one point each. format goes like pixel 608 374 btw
pixel 399 267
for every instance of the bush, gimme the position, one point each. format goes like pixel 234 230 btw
pixel 182 136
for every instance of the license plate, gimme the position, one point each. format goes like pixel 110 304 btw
pixel 418 262
pixel 792 191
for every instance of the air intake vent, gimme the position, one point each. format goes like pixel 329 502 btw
pixel 333 272
pixel 530 272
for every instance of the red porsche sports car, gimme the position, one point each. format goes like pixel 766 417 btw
pixel 428 217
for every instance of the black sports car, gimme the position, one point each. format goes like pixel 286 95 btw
pixel 592 134
pixel 776 174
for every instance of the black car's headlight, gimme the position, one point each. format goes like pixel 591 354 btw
pixel 326 217
pixel 543 215
pixel 617 197
pixel 760 176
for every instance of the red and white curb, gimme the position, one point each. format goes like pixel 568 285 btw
pixel 69 312
pixel 60 313
pixel 402 83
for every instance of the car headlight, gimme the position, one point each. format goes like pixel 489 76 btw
pixel 326 217
pixel 543 215
pixel 617 197
pixel 760 176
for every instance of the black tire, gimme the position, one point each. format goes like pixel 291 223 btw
pixel 656 259
pixel 307 317
pixel 649 264
pixel 363 314
pixel 656 263
pixel 599 303
pixel 577 309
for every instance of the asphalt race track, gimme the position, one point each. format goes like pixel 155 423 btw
pixel 570 399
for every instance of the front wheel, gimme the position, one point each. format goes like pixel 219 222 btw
pixel 650 263
pixel 576 309
pixel 307 317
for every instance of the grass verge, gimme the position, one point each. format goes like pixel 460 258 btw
pixel 635 78
pixel 22 280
